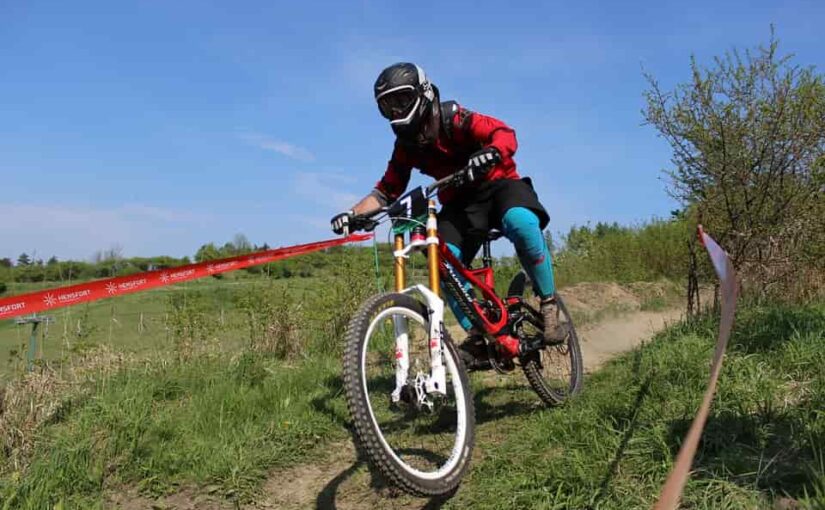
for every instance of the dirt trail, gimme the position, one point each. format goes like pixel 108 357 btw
pixel 343 482
pixel 606 339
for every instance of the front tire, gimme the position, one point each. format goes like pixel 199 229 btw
pixel 423 450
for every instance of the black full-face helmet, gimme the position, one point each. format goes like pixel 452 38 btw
pixel 408 100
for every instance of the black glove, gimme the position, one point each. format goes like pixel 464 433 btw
pixel 481 162
pixel 340 222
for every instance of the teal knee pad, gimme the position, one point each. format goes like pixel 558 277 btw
pixel 521 226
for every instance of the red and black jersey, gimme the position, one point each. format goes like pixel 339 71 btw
pixel 463 132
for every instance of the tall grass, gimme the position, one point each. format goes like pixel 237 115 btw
pixel 214 420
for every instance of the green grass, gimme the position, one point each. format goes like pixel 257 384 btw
pixel 225 422
pixel 117 322
pixel 209 421
pixel 614 446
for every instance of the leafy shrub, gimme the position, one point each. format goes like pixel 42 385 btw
pixel 610 252
pixel 275 321
pixel 191 320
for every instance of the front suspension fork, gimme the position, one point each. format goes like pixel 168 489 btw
pixel 436 382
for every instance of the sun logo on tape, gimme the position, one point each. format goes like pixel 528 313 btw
pixel 49 299
pixel 111 288
pixel 210 269
pixel 164 277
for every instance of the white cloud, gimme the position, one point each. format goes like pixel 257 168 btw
pixel 78 231
pixel 281 147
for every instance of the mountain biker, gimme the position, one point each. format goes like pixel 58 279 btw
pixel 440 139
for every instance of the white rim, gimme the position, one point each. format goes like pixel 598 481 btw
pixel 458 390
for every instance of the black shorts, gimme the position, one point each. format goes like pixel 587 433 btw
pixel 467 218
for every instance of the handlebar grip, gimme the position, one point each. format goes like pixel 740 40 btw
pixel 362 222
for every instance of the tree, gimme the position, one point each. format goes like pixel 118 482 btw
pixel 52 261
pixel 23 260
pixel 207 252
pixel 748 139
pixel 5 262
pixel 242 244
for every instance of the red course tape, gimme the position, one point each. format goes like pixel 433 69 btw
pixel 50 299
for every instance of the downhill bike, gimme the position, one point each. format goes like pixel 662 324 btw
pixel 406 387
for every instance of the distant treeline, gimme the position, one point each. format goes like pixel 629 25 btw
pixel 55 270
pixel 109 263
pixel 601 252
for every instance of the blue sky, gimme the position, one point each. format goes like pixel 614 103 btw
pixel 159 126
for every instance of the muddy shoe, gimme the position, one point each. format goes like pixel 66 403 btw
pixel 554 332
pixel 473 352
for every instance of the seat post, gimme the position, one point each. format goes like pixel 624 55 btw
pixel 486 258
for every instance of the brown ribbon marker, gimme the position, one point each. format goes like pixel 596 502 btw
pixel 675 484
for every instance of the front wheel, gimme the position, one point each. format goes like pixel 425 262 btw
pixel 555 372
pixel 421 442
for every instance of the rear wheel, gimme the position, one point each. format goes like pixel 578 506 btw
pixel 422 443
pixel 555 371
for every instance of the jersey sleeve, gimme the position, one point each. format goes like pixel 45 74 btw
pixel 491 132
pixel 396 177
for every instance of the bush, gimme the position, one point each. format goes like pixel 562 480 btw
pixel 610 252
pixel 192 321
pixel 275 321
pixel 748 140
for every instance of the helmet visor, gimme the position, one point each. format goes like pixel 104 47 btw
pixel 396 104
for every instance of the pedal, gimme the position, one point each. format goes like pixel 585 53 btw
pixel 479 365
pixel 532 345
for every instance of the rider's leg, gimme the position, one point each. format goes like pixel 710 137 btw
pixel 521 226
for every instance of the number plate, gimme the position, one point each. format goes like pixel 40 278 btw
pixel 409 211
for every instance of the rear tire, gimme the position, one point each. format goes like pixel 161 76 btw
pixel 368 399
pixel 555 372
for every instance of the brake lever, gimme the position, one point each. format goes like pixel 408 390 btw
pixel 370 225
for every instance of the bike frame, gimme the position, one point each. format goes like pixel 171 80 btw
pixel 483 280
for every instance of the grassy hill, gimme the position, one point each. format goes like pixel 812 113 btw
pixel 224 381
pixel 220 422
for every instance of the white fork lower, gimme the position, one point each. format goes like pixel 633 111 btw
pixel 402 355
pixel 436 381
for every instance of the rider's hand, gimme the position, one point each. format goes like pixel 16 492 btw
pixel 340 222
pixel 481 162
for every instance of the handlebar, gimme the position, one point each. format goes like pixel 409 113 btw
pixel 367 221
pixel 455 179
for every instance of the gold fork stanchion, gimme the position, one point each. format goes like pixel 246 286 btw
pixel 432 249
pixel 400 276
